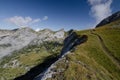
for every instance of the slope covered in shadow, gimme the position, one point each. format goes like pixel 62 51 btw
pixel 71 41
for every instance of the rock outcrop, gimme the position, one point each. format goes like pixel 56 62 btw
pixel 109 19
pixel 72 41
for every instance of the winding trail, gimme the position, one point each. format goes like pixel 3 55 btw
pixel 106 50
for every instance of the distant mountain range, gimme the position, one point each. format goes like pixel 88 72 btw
pixel 11 40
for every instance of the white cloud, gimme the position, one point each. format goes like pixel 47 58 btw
pixel 22 21
pixel 36 20
pixel 100 9
pixel 45 18
pixel 37 29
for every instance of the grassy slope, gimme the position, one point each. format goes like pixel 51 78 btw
pixel 111 39
pixel 27 58
pixel 89 61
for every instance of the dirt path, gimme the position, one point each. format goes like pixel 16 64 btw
pixel 107 51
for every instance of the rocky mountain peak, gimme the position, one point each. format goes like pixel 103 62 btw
pixel 46 30
pixel 21 37
pixel 61 29
pixel 25 29
pixel 109 19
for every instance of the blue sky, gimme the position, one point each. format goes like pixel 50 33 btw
pixel 54 14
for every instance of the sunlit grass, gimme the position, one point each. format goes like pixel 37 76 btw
pixel 88 61
pixel 111 37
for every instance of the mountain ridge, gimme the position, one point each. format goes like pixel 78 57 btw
pixel 109 19
pixel 19 38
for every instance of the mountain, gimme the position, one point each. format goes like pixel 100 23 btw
pixel 96 59
pixel 112 18
pixel 12 40
pixel 23 48
pixel 91 54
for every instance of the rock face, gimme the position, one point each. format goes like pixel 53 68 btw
pixel 72 41
pixel 109 19
pixel 12 40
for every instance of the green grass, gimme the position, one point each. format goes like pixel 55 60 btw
pixel 94 63
pixel 94 51
pixel 10 73
pixel 27 57
pixel 111 37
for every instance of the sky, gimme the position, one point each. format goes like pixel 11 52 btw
pixel 55 14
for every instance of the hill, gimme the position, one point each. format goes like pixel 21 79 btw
pixel 96 59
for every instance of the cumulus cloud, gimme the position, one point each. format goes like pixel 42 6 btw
pixel 45 18
pixel 24 21
pixel 36 20
pixel 100 9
